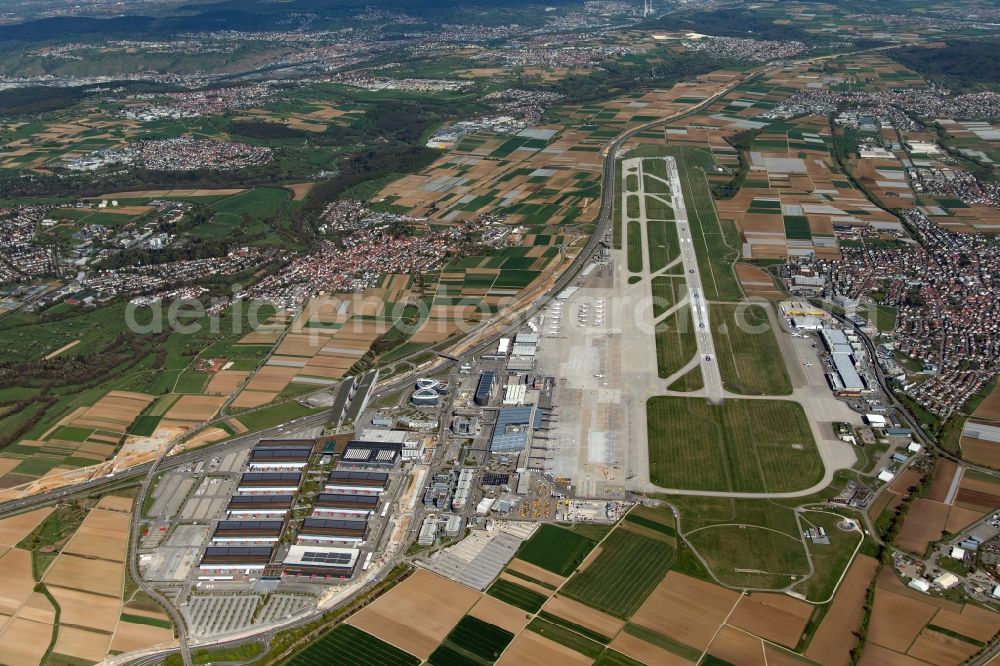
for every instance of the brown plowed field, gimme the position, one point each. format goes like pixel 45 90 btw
pixel 989 409
pixel 103 534
pixel 16 581
pixel 944 474
pixel 225 382
pixel 981 451
pixel 98 576
pixel 195 407
pixel 585 616
pixel 936 648
pixel 527 584
pixel 876 655
pixel 968 625
pixel 129 636
pixel 686 609
pixel 87 610
pixel 959 518
pixel 530 649
pixel 776 617
pixel 897 620
pixel 83 644
pixel 645 652
pixel 492 610
pixel 401 616
pixel 978 494
pixel 25 642
pixel 12 530
pixel 737 648
pixel 923 524
pixel 834 640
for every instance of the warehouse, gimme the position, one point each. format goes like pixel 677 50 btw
pixel 849 377
pixel 281 454
pixel 320 562
pixel 247 531
pixel 835 341
pixel 236 558
pixel 340 501
pixel 269 482
pixel 353 482
pixel 259 505
pixel 358 454
pixel 333 529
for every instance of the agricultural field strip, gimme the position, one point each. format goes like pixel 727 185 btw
pixel 558 589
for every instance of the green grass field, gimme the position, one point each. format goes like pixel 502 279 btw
pixel 556 549
pixel 634 239
pixel 632 205
pixel 675 341
pixel 690 381
pixel 830 561
pixel 472 641
pixel 627 570
pixel 739 445
pixel 751 556
pixel 348 646
pixel 667 291
pixel 515 595
pixel 717 244
pixel 664 245
pixel 749 358
pixel 270 416
pixel 770 542
pixel 658 208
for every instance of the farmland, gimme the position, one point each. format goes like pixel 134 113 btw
pixel 64 583
pixel 471 641
pixel 516 595
pixel 749 358
pixel 556 549
pixel 740 445
pixel 352 647
pixel 627 569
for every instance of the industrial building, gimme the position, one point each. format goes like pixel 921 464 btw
pixel 333 529
pixel 269 482
pixel 236 558
pixel 280 455
pixel 320 562
pixel 259 505
pixel 359 454
pixel 850 380
pixel 485 388
pixel 248 531
pixel 355 482
pixel 331 504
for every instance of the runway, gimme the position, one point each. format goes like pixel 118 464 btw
pixel 696 295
